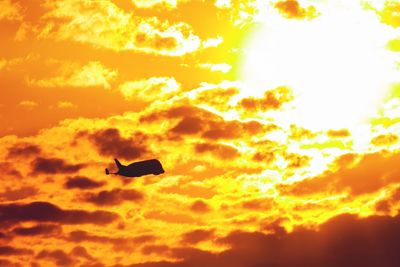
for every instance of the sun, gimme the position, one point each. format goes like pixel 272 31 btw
pixel 336 64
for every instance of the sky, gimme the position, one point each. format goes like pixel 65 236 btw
pixel 277 123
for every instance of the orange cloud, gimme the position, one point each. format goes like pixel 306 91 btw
pixel 28 104
pixel 371 173
pixel 116 29
pixel 155 88
pixel 273 99
pixel 220 150
pixel 338 133
pixel 292 9
pixel 384 139
pixel 10 10
pixel 75 75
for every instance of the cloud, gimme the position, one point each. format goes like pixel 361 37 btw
pixel 389 202
pixel 273 99
pixel 47 212
pixel 110 143
pixel 153 3
pixel 342 241
pixel 191 120
pixel 10 11
pixel 296 160
pixel 28 104
pixel 197 236
pixel 221 67
pixel 80 251
pixel 154 249
pixel 23 150
pixel 113 197
pixel 190 190
pixel 199 206
pixel 384 139
pixel 291 9
pixel 8 169
pixel 188 125
pixel 53 166
pixel 216 96
pixel 82 182
pixel 219 150
pixel 66 105
pixel 93 74
pixel 119 243
pixel 261 204
pixel 40 229
pixel 9 250
pixel 58 256
pixel 367 175
pixel 19 193
pixel 390 14
pixel 154 88
pixel 104 25
pixel 338 133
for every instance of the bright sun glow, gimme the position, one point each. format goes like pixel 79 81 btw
pixel 336 64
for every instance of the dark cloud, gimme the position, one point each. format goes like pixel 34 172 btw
pixel 197 236
pixel 59 257
pixel 369 174
pixel 47 212
pixel 220 150
pixel 193 120
pixel 7 263
pixel 223 130
pixel 344 241
pixel 9 250
pixel 179 112
pixel 113 197
pixel 199 206
pixel 155 249
pixel 80 251
pixel 80 235
pixel 17 194
pixel 54 166
pixel 6 168
pixel 23 150
pixel 82 182
pixel 110 143
pixel 41 229
pixel 188 125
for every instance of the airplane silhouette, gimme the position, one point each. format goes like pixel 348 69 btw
pixel 137 169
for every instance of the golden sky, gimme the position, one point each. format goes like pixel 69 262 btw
pixel 277 123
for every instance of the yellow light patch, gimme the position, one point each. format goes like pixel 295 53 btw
pixel 336 64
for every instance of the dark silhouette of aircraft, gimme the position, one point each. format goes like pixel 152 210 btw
pixel 137 169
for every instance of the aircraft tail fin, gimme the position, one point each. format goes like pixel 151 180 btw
pixel 107 172
pixel 119 165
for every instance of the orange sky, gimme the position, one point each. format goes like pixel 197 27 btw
pixel 277 123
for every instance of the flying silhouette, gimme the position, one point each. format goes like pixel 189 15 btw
pixel 137 169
